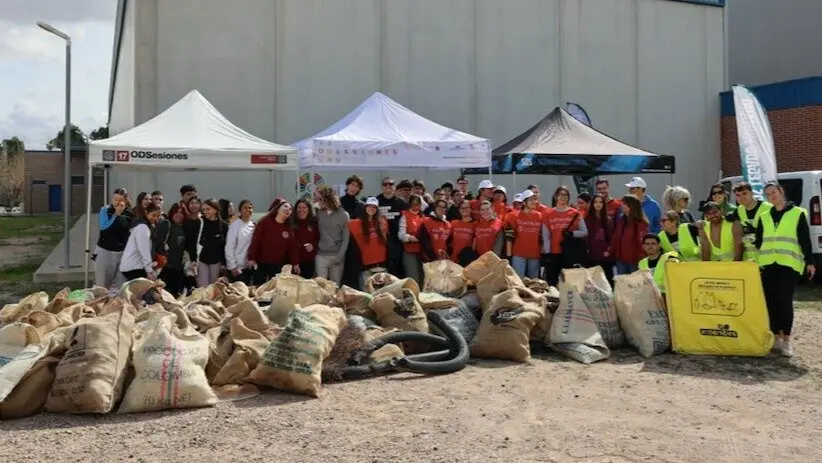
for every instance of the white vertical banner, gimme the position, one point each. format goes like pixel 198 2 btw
pixel 756 147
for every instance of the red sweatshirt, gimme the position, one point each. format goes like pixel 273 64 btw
pixel 306 232
pixel 626 245
pixel 462 236
pixel 373 250
pixel 273 243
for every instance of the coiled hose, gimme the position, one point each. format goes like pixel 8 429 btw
pixel 439 362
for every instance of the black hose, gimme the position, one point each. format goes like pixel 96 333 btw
pixel 459 349
pixel 396 338
pixel 385 367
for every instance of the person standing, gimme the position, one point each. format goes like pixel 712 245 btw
pixel 719 195
pixel 143 200
pixel 682 238
pixel 370 235
pixel 630 228
pixel 720 240
pixel 237 243
pixel 747 213
pixel 541 208
pixel 350 204
pixel 391 207
pixel 462 231
pixel 784 242
pixel 435 232
pixel 455 210
pixel 464 187
pixel 500 201
pixel 561 223
pixel 655 261
pixel 207 250
pixel 227 212
pixel 332 222
pixel 526 231
pixel 138 255
pixel 651 208
pixel 600 232
pixel 306 238
pixel 272 244
pixel 612 205
pixel 410 224
pixel 489 231
pixel 583 204
pixel 677 198
pixel 172 274
pixel 115 222
pixel 157 198
pixel 186 193
pixel 486 191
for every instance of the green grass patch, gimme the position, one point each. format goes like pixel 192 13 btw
pixel 39 225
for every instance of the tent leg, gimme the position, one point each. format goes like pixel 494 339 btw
pixel 297 184
pixel 88 227
pixel 514 181
pixel 105 182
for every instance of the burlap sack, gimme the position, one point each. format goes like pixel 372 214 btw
pixel 198 294
pixel 90 376
pixel 135 290
pixel 642 313
pixel 597 295
pixel 434 301
pixel 327 285
pixel 229 293
pixel 43 322
pixel 293 361
pixel 169 362
pixel 61 301
pixel 444 277
pixel 293 290
pixel 355 302
pixel 379 280
pixel 251 315
pixel 249 346
pixel 72 314
pixel 220 348
pixel 357 333
pixel 501 278
pixel 20 348
pixel 461 319
pixel 403 313
pixel 205 315
pixel 396 288
pixel 11 313
pixel 574 331
pixel 480 268
pixel 505 327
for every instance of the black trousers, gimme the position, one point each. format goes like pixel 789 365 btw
pixel 395 252
pixel 779 283
pixel 266 272
pixel 246 276
pixel 308 269
pixel 553 268
pixel 134 274
pixel 173 278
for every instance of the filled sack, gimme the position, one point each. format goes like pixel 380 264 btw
pixel 357 332
pixel 598 296
pixel 396 288
pixel 230 293
pixel 291 291
pixel 642 313
pixel 502 278
pixel 461 319
pixel 11 313
pixel 20 348
pixel 293 360
pixel 169 362
pixel 481 267
pixel 403 313
pixel 355 302
pixel 379 280
pixel 89 378
pixel 434 301
pixel 443 277
pixel 205 315
pixel 574 331
pixel 505 327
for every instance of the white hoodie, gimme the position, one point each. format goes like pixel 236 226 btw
pixel 139 252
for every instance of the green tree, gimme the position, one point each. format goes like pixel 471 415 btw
pixel 12 147
pixel 77 138
pixel 99 134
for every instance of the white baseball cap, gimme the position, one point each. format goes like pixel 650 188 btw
pixel 372 201
pixel 525 195
pixel 486 184
pixel 518 197
pixel 637 182
pixel 502 189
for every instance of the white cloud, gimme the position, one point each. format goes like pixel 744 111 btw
pixel 31 11
pixel 31 122
pixel 30 43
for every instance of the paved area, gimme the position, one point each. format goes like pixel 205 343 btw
pixel 51 270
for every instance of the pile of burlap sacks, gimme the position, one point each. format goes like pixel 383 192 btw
pixel 139 350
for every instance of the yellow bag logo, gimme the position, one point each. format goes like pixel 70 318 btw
pixel 724 331
pixel 718 297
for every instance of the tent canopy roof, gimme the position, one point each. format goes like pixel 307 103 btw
pixel 562 134
pixel 191 134
pixel 379 124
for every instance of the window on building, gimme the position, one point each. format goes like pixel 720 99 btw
pixel 38 182
pixel 77 180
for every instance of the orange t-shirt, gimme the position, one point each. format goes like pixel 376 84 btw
pixel 475 207
pixel 510 219
pixel 412 227
pixel 438 231
pixel 486 233
pixel 542 208
pixel 373 250
pixel 462 236
pixel 557 222
pixel 501 209
pixel 528 227
pixel 613 207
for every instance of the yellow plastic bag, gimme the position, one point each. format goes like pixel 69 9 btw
pixel 717 308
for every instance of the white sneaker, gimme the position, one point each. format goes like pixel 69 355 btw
pixel 787 349
pixel 777 345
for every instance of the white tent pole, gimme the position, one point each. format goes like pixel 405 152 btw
pixel 105 182
pixel 88 228
pixel 297 181
pixel 514 176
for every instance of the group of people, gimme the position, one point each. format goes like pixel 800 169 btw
pixel 345 239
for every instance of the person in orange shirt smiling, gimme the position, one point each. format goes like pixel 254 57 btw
pixel 560 223
pixel 541 208
pixel 527 228
pixel 369 233
pixel 486 191
pixel 462 231
pixel 500 202
pixel 435 233
pixel 488 232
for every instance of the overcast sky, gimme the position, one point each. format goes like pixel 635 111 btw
pixel 32 81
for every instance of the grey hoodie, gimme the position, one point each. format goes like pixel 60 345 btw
pixel 334 233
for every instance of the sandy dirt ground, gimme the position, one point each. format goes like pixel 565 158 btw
pixel 669 408
pixel 20 249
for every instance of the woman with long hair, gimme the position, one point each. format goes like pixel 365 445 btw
pixel 370 237
pixel 143 200
pixel 500 202
pixel 629 230
pixel 435 232
pixel 207 249
pixel 138 256
pixel 332 222
pixel 677 198
pixel 237 243
pixel 306 237
pixel 526 231
pixel 272 244
pixel 600 231
pixel 562 223
pixel 719 195
pixel 194 207
pixel 115 222
pixel 409 230
pixel 488 231
pixel 583 204
pixel 227 211
pixel 680 237
pixel 463 231
pixel 175 245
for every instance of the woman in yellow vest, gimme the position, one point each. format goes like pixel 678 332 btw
pixel 747 213
pixel 682 238
pixel 655 261
pixel 720 240
pixel 784 241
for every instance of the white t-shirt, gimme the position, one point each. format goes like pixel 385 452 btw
pixel 237 243
pixel 139 253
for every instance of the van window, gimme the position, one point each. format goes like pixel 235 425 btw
pixel 793 190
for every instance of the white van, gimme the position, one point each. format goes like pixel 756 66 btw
pixel 803 189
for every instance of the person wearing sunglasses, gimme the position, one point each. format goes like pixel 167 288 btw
pixel 391 207
pixel 720 197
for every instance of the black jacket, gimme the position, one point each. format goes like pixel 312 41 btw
pixel 353 206
pixel 212 239
pixel 115 237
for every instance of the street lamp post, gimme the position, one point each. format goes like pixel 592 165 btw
pixel 66 140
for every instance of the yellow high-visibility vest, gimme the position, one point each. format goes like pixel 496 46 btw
pixel 659 270
pixel 725 251
pixel 686 246
pixel 780 245
pixel 750 251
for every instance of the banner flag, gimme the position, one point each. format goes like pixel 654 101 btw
pixel 756 147
pixel 584 183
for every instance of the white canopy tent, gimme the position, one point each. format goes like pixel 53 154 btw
pixel 190 135
pixel 383 134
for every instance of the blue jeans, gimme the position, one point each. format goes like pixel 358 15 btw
pixel 525 267
pixel 624 268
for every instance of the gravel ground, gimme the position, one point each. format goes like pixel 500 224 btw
pixel 668 408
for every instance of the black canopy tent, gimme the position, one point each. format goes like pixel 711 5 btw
pixel 559 144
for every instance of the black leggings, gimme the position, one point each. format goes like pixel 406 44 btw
pixel 779 283
pixel 308 269
pixel 134 274
pixel 266 272
pixel 173 278
pixel 246 276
